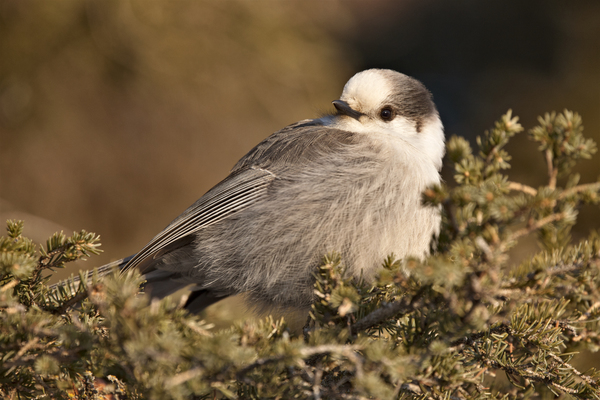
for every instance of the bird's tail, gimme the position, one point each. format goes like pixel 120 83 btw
pixel 159 284
pixel 102 271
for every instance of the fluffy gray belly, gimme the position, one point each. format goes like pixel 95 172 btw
pixel 272 252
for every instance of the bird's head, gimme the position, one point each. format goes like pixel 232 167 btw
pixel 380 101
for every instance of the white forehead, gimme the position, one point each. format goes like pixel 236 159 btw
pixel 367 89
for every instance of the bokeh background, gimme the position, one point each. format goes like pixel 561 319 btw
pixel 116 115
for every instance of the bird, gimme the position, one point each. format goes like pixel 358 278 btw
pixel 348 182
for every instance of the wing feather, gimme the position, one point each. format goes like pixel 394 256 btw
pixel 237 192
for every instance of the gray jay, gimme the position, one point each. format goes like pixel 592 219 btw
pixel 348 182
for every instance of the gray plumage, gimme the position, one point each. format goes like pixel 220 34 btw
pixel 349 182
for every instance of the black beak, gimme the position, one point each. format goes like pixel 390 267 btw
pixel 344 108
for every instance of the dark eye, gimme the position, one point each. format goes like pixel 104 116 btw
pixel 386 114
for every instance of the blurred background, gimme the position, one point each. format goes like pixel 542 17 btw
pixel 116 115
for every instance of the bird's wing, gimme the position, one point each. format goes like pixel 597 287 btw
pixel 296 145
pixel 235 193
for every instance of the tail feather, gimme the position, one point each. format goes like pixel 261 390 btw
pixel 198 300
pixel 159 284
pixel 102 270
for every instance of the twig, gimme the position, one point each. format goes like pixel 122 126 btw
pixel 403 306
pixel 447 204
pixel 580 188
pixel 485 248
pixel 29 345
pixel 522 188
pixel 183 377
pixel 317 383
pixel 581 375
pixel 470 339
pixel 552 171
pixel 588 312
pixel 198 330
pixel 79 297
pixel 562 268
pixel 533 227
pixel 347 350
pixel 492 154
